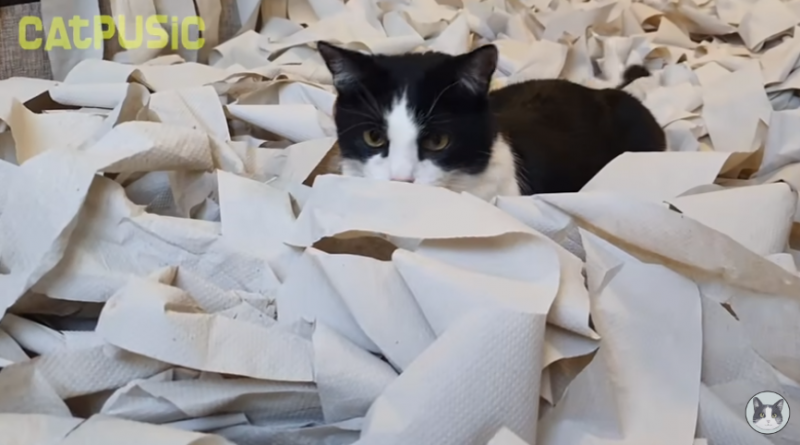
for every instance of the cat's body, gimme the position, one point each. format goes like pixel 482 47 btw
pixel 430 119
pixel 767 417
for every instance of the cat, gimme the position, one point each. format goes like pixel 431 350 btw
pixel 429 118
pixel 767 417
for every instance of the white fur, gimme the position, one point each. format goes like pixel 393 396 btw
pixel 403 163
pixel 767 422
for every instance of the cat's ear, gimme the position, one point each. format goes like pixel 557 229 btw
pixel 756 403
pixel 346 66
pixel 475 68
pixel 779 405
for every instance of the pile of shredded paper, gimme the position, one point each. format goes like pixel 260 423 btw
pixel 175 270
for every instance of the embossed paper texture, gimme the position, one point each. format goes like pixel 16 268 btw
pixel 180 263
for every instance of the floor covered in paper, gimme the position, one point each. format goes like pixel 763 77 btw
pixel 170 276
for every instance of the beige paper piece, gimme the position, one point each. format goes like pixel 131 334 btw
pixel 308 295
pixel 33 336
pixel 27 391
pixel 732 11
pixel 343 28
pixel 291 92
pixel 669 34
pixel 298 123
pixel 211 13
pixel 733 107
pixel 672 311
pixel 506 437
pixel 65 370
pixel 412 409
pixel 168 396
pixel 21 89
pixel 578 65
pixel 72 46
pixel 36 133
pixel 137 46
pixel 728 260
pixel 546 61
pixel 657 176
pixel 699 21
pixel 574 20
pixel 181 10
pixel 733 371
pixel 36 429
pixel 348 378
pixel 126 432
pixel 782 147
pixel 390 208
pixel 107 95
pixel 102 71
pixel 95 265
pixel 454 39
pixel 382 306
pixel 184 75
pixel 10 351
pixel 242 50
pixel 733 213
pixel 202 341
pixel 778 62
pixel 30 257
pixel 198 108
pixel 257 217
pixel 765 20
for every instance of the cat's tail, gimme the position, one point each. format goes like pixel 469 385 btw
pixel 632 73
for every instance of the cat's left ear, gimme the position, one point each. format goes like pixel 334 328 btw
pixel 477 67
pixel 779 405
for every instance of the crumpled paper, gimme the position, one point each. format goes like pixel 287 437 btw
pixel 180 264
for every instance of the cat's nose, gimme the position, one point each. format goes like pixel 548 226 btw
pixel 402 179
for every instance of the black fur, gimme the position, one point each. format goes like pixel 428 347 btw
pixel 562 133
pixel 632 73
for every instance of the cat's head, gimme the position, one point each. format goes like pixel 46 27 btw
pixel 421 117
pixel 767 417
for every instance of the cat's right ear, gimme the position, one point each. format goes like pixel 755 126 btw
pixel 477 67
pixel 347 67
pixel 756 403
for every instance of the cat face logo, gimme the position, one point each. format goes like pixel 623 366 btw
pixel 767 412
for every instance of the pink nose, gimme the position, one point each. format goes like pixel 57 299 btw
pixel 402 179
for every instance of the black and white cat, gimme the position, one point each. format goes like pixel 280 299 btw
pixel 429 118
pixel 767 417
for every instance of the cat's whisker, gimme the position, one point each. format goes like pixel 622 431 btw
pixel 353 127
pixel 370 101
pixel 359 113
pixel 439 96
pixel 437 121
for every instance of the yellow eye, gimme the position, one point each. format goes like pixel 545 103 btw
pixel 774 416
pixel 436 142
pixel 762 414
pixel 374 138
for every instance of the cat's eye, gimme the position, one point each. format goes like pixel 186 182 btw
pixel 436 142
pixel 774 416
pixel 762 414
pixel 374 138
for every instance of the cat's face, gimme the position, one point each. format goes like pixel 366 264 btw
pixel 767 417
pixel 421 118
